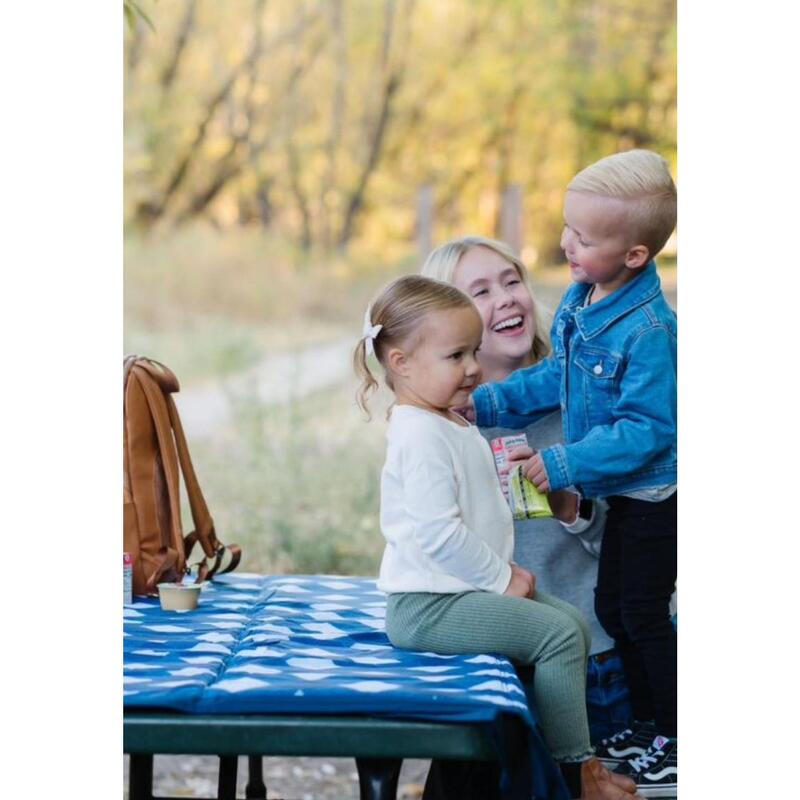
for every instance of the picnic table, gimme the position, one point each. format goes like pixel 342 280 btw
pixel 300 665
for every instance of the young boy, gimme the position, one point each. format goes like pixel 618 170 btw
pixel 613 372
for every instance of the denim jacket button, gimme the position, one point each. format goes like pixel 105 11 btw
pixel 598 368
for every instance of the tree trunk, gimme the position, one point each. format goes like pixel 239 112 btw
pixel 392 82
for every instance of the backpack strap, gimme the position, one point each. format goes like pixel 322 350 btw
pixel 165 561
pixel 204 531
pixel 154 396
pixel 127 364
pixel 236 557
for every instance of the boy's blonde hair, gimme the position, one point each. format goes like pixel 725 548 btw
pixel 642 177
pixel 399 308
pixel 441 264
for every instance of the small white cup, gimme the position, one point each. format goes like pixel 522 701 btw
pixel 179 596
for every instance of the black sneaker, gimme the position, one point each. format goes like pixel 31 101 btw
pixel 656 770
pixel 625 745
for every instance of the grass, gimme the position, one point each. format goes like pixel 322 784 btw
pixel 209 304
pixel 297 485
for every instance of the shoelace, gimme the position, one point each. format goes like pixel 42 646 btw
pixel 617 737
pixel 650 756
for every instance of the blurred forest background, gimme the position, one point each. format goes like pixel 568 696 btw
pixel 284 158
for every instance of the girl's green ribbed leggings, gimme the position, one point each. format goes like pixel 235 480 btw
pixel 546 632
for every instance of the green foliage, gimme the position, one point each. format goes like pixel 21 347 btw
pixel 132 11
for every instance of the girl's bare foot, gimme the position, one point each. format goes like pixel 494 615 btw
pixel 599 783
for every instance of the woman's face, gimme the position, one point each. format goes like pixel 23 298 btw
pixel 506 308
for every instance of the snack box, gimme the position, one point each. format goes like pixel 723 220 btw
pixel 526 501
pixel 500 447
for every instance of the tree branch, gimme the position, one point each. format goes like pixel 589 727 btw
pixel 171 69
pixel 149 212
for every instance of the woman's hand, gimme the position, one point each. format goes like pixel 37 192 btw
pixel 564 505
pixel 522 583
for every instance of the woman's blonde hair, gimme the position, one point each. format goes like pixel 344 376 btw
pixel 441 264
pixel 641 177
pixel 399 309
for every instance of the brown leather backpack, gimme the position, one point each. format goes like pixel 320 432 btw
pixel 155 454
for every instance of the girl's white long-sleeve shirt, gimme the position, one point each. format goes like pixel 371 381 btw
pixel 447 525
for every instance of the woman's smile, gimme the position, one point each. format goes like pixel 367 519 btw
pixel 510 326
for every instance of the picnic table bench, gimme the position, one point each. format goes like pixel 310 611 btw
pixel 301 666
pixel 378 746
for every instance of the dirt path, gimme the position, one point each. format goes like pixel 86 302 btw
pixel 277 378
pixel 285 778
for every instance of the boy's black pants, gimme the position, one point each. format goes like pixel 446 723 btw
pixel 635 580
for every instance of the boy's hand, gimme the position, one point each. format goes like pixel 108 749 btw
pixel 467 411
pixel 533 469
pixel 564 505
pixel 522 583
pixel 518 455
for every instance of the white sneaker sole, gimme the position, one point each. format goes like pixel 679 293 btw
pixel 658 791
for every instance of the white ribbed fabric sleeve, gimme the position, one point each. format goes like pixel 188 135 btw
pixel 431 498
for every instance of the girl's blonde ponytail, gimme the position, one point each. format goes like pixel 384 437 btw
pixel 368 383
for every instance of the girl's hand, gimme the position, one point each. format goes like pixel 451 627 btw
pixel 522 583
pixel 564 505
pixel 533 469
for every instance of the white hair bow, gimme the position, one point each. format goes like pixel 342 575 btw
pixel 369 332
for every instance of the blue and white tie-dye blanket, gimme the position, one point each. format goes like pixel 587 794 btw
pixel 304 645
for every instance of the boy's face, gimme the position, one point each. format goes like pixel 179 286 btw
pixel 597 242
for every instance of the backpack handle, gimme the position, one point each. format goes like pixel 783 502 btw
pixel 162 375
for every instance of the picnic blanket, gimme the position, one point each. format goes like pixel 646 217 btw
pixel 312 645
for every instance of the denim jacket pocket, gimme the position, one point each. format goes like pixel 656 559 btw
pixel 600 372
pixel 598 363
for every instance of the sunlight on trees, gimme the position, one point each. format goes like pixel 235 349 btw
pixel 320 120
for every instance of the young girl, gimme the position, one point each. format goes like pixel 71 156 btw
pixel 449 531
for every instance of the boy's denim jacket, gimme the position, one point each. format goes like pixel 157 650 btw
pixel 613 372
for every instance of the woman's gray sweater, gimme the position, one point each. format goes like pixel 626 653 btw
pixel 565 564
